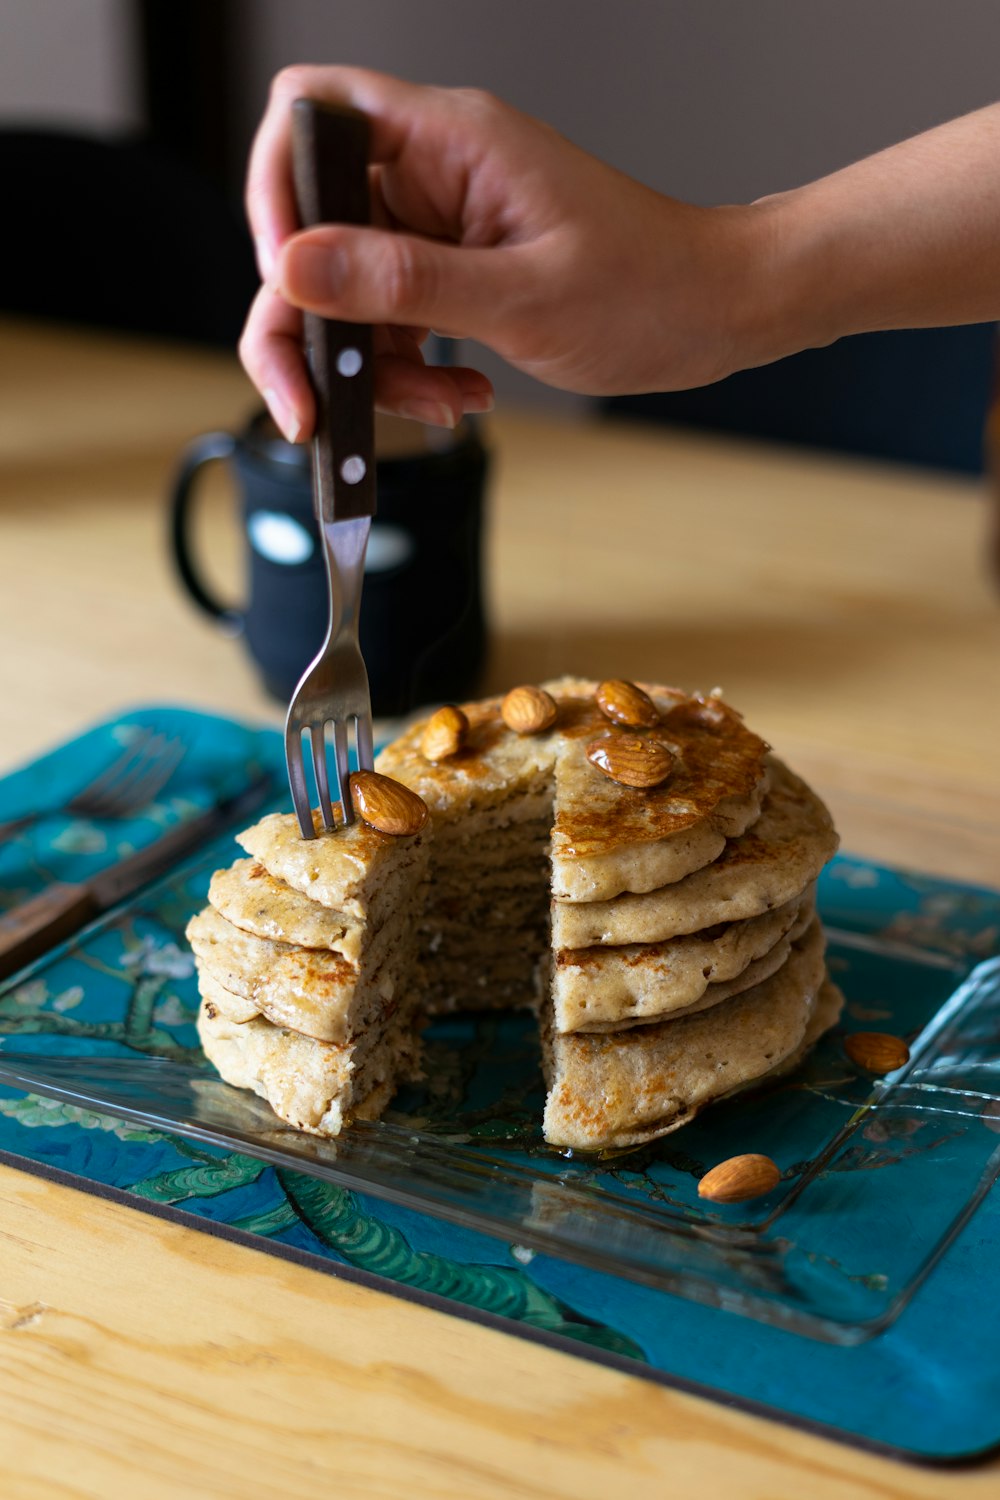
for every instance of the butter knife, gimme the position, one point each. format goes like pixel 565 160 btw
pixel 36 925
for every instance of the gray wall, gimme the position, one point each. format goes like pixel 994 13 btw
pixel 67 62
pixel 722 100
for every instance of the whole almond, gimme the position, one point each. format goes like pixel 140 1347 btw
pixel 386 804
pixel 739 1178
pixel 624 703
pixel 444 733
pixel 528 710
pixel 631 759
pixel 876 1051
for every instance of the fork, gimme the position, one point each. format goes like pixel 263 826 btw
pixel 330 160
pixel 130 782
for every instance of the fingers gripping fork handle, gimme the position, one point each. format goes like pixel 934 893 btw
pixel 330 160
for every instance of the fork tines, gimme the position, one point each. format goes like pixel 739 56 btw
pixel 341 804
pixel 133 780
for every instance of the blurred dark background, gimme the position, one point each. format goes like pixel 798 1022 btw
pixel 124 127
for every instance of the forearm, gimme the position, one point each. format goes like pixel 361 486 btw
pixel 495 229
pixel 905 239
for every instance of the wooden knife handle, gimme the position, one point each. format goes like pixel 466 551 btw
pixel 330 165
pixel 37 925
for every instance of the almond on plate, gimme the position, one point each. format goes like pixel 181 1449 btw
pixel 877 1051
pixel 739 1178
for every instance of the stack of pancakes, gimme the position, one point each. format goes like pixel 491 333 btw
pixel 309 971
pixel 666 935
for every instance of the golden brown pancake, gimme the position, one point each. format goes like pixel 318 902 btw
pixel 624 1088
pixel 607 988
pixel 765 867
pixel 605 837
pixel 246 895
pixel 643 922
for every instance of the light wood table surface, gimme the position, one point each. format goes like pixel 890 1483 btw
pixel 846 608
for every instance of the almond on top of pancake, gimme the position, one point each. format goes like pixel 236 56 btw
pixel 765 867
pixel 605 837
pixel 345 869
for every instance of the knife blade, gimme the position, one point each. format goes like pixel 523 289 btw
pixel 36 925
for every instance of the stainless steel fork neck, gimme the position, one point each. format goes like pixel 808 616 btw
pixel 344 546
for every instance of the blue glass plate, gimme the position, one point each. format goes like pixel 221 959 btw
pixel 877 1177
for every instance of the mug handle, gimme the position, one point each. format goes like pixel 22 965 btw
pixel 212 447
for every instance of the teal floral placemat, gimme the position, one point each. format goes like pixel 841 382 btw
pixel 927 1385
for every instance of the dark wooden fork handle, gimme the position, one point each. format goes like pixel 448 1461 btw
pixel 37 925
pixel 330 163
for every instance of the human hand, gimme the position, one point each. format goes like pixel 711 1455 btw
pixel 490 226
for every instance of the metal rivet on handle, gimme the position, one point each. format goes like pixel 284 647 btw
pixel 353 469
pixel 349 362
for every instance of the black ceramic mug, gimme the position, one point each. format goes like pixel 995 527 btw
pixel 423 631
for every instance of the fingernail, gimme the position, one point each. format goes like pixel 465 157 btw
pixel 434 413
pixel 282 413
pixel 477 403
pixel 314 274
pixel 265 258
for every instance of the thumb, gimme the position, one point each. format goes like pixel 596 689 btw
pixel 378 276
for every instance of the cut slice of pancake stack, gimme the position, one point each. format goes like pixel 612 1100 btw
pixel 666 933
pixel 307 964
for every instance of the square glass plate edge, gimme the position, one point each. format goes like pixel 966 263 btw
pixel 744 1266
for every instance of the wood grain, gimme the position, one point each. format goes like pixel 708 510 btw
pixel 141 1358
pixel 845 607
